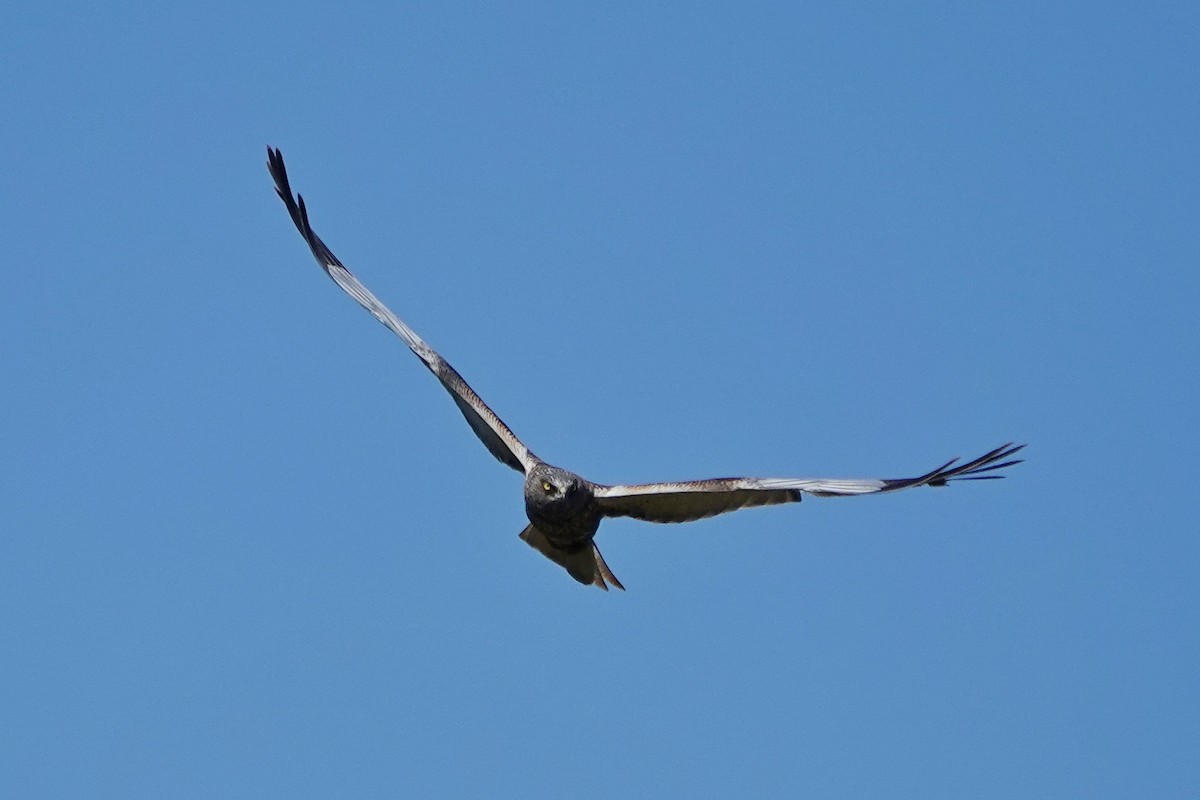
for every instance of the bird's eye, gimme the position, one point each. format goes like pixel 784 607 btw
pixel 546 486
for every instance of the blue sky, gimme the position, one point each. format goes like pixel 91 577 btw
pixel 248 547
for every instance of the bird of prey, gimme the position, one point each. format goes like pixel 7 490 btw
pixel 565 509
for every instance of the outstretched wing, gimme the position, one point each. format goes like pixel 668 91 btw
pixel 495 435
pixel 683 502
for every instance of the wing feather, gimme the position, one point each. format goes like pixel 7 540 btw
pixel 691 500
pixel 500 441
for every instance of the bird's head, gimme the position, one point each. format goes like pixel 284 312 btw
pixel 548 485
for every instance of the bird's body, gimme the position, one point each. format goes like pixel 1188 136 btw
pixel 563 519
pixel 561 505
pixel 565 509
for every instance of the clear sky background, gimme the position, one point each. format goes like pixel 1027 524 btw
pixel 249 547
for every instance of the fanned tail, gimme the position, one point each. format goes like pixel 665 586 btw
pixel 585 565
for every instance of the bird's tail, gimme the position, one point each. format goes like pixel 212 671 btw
pixel 585 565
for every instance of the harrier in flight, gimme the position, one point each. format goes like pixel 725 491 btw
pixel 565 509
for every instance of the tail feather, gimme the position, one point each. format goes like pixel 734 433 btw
pixel 585 565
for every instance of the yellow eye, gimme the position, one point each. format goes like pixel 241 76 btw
pixel 546 487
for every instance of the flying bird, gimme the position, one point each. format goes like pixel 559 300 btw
pixel 565 509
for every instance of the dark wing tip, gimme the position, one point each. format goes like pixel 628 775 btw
pixel 988 462
pixel 278 171
pixel 297 210
pixel 283 188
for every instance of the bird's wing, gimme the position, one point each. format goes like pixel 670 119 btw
pixel 683 502
pixel 495 435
